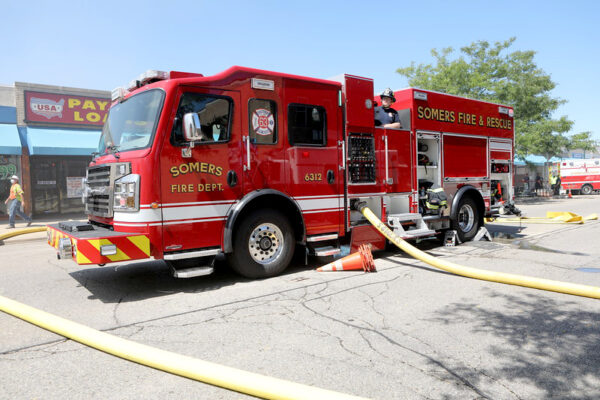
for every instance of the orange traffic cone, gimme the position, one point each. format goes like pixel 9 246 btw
pixel 570 195
pixel 363 259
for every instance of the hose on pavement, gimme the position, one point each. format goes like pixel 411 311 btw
pixel 219 375
pixel 500 277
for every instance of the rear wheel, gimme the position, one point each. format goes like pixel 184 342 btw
pixel 587 189
pixel 466 223
pixel 263 245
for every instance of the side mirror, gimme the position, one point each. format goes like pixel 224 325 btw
pixel 192 130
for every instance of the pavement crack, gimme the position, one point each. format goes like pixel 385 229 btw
pixel 460 379
pixel 116 307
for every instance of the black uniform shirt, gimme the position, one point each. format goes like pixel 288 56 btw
pixel 384 116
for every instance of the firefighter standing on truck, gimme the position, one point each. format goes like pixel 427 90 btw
pixel 385 115
pixel 16 202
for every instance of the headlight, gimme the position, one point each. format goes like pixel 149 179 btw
pixel 127 193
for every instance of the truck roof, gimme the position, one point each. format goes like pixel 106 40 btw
pixel 451 95
pixel 236 71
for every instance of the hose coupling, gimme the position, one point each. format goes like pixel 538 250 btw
pixel 357 205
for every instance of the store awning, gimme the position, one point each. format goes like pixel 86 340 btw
pixel 61 142
pixel 10 143
pixel 536 160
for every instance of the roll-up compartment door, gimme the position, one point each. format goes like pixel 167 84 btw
pixel 500 150
pixel 464 157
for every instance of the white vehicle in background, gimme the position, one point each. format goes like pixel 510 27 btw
pixel 580 175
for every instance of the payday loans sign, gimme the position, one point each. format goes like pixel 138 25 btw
pixel 52 108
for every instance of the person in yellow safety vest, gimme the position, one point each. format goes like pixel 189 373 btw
pixel 16 202
pixel 553 184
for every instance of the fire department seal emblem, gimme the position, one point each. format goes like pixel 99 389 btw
pixel 263 122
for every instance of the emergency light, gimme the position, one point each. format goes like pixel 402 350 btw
pixel 264 84
pixel 118 93
pixel 149 76
pixel 505 110
pixel 420 96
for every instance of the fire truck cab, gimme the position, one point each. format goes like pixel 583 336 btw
pixel 254 164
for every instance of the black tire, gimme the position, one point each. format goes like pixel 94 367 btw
pixel 263 245
pixel 466 222
pixel 587 189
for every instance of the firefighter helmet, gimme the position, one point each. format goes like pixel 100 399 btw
pixel 388 93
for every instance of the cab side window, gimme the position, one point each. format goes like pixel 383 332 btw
pixel 214 113
pixel 262 121
pixel 307 125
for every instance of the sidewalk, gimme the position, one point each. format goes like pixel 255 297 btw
pixel 38 222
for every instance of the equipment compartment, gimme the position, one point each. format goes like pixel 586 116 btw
pixel 428 155
pixel 361 166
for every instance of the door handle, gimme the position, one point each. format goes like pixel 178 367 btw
pixel 343 144
pixel 232 178
pixel 247 140
pixel 330 176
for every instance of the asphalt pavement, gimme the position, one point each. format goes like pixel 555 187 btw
pixel 408 331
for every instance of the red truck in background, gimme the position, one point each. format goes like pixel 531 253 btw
pixel 255 164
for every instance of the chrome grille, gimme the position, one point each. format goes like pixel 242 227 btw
pixel 98 176
pixel 98 191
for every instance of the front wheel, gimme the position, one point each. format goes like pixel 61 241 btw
pixel 587 189
pixel 263 245
pixel 466 223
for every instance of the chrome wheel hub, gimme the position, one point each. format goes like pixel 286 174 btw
pixel 466 218
pixel 266 243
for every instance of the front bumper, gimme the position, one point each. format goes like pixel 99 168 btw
pixel 100 245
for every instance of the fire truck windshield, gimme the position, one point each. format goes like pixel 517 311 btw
pixel 131 124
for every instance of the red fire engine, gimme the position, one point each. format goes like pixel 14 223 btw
pixel 254 164
pixel 580 176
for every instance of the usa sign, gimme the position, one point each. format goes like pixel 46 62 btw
pixel 53 108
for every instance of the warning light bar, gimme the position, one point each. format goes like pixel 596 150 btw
pixel 118 93
pixel 506 110
pixel 150 76
pixel 420 96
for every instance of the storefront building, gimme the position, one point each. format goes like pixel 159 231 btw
pixel 57 130
pixel 10 146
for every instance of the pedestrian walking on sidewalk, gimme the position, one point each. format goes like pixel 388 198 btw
pixel 16 203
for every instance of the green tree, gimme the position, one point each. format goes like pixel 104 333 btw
pixel 493 73
pixel 582 141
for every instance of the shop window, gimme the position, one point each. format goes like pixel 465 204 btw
pixel 262 121
pixel 56 184
pixel 46 196
pixel 71 174
pixel 307 125
pixel 214 113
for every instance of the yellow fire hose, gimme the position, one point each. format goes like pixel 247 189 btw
pixel 500 277
pixel 226 377
pixel 219 375
pixel 552 217
pixel 22 232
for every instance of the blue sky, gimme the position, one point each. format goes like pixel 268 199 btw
pixel 101 45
